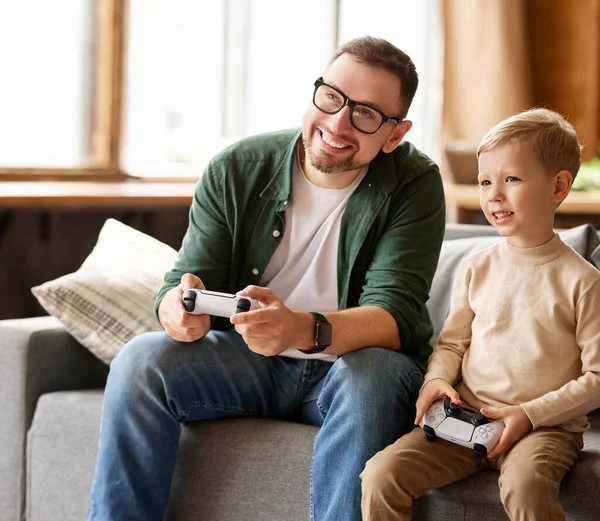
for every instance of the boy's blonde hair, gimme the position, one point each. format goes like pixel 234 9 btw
pixel 553 139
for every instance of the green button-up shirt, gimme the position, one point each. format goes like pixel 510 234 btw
pixel 390 237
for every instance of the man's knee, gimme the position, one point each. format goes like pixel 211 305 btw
pixel 388 374
pixel 146 355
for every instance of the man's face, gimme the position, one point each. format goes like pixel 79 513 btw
pixel 332 145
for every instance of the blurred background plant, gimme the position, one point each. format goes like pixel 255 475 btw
pixel 588 177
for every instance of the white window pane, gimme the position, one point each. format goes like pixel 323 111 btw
pixel 290 44
pixel 202 74
pixel 47 60
pixel 416 29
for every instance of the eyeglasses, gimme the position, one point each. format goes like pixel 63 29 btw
pixel 367 119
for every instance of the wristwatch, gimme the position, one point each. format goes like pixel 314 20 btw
pixel 322 334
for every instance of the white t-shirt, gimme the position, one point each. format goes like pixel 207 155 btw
pixel 303 269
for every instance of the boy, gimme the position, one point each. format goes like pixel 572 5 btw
pixel 521 341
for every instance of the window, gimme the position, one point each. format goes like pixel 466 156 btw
pixel 47 55
pixel 153 89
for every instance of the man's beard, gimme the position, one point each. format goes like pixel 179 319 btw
pixel 327 164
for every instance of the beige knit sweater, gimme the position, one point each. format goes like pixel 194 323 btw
pixel 524 328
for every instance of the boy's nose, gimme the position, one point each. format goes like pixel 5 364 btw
pixel 495 194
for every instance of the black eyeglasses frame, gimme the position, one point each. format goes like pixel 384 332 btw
pixel 351 103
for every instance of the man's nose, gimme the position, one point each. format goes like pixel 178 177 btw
pixel 340 121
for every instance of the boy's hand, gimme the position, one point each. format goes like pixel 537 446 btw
pixel 517 425
pixel 430 392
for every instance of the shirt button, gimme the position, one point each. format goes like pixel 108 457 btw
pixel 284 203
pixel 254 271
pixel 276 233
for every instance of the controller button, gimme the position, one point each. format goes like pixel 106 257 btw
pixel 481 429
pixel 438 409
pixel 484 435
pixel 431 418
pixel 440 416
pixel 488 428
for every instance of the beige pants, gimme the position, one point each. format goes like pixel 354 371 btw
pixel 530 474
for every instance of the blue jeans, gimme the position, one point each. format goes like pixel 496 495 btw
pixel 362 402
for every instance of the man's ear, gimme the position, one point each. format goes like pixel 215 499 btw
pixel 563 181
pixel 397 135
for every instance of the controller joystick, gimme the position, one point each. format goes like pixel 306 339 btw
pixel 452 409
pixel 479 419
pixel 204 302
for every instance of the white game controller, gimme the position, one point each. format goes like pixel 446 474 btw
pixel 467 428
pixel 204 302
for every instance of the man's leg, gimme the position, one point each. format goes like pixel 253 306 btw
pixel 407 469
pixel 366 402
pixel 531 473
pixel 155 383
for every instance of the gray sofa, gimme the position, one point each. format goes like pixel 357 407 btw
pixel 234 470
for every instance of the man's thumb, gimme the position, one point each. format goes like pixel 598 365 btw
pixel 189 281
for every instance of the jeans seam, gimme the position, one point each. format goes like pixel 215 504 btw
pixel 224 408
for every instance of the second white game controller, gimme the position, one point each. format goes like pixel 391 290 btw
pixel 467 428
pixel 204 302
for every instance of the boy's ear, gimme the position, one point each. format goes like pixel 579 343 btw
pixel 563 181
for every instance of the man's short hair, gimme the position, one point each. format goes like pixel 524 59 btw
pixel 381 53
pixel 552 138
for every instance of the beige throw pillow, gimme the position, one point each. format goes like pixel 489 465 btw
pixel 110 298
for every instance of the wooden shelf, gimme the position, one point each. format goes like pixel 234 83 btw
pixel 73 194
pixel 466 197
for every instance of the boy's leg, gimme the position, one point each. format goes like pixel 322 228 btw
pixel 404 471
pixel 531 472
pixel 155 383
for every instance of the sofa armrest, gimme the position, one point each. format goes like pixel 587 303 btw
pixel 37 355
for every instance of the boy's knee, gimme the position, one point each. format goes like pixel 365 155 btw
pixel 521 488
pixel 379 476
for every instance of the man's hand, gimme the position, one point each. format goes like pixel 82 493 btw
pixel 273 328
pixel 175 320
pixel 517 425
pixel 430 392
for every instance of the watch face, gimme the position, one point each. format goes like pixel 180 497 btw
pixel 323 335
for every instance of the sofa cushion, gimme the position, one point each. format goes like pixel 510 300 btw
pixel 110 298
pixel 234 469
pixel 583 239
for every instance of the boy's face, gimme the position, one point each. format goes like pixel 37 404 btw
pixel 518 195
pixel 332 144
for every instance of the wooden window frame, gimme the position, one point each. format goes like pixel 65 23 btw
pixel 110 27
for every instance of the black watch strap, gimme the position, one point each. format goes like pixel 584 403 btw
pixel 322 334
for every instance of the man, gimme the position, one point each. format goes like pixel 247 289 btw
pixel 336 231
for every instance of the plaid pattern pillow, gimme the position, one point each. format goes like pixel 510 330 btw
pixel 110 298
